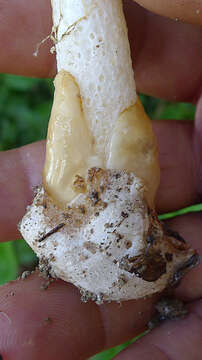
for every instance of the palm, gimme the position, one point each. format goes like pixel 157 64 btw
pixel 167 64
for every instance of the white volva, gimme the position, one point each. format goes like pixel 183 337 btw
pixel 93 223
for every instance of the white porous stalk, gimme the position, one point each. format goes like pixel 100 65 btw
pixel 92 45
pixel 93 223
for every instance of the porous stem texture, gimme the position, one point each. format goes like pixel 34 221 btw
pixel 92 45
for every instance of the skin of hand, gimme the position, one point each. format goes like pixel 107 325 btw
pixel 45 324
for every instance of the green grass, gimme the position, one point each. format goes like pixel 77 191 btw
pixel 187 210
pixel 8 263
pixel 25 106
pixel 160 109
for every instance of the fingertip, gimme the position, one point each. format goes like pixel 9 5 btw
pixel 20 171
pixel 177 339
pixel 47 324
pixel 189 227
pixel 53 323
pixel 23 26
pixel 186 11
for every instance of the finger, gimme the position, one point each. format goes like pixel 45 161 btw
pixel 178 187
pixel 189 227
pixel 53 323
pixel 20 171
pixel 178 175
pixel 172 340
pixel 33 22
pixel 184 10
pixel 166 54
pixel 198 142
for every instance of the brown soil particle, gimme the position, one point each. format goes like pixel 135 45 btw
pixel 168 256
pixel 48 320
pixel 94 197
pixel 168 308
pixel 174 234
pixel 45 285
pixel 25 274
pixel 149 267
pixel 90 246
pixel 79 184
pixel 183 269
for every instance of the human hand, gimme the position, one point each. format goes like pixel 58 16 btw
pixel 39 324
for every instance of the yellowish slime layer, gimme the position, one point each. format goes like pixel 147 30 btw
pixel 70 145
pixel 134 148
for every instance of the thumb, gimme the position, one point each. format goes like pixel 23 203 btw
pixel 189 11
pixel 51 323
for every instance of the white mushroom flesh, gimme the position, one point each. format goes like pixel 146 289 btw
pixel 93 223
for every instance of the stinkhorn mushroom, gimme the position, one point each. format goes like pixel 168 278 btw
pixel 93 222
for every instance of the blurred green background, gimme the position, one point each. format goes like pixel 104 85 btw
pixel 25 106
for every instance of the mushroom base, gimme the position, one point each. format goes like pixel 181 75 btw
pixel 107 241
